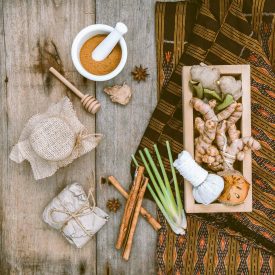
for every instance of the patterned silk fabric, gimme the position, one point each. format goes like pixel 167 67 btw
pixel 229 33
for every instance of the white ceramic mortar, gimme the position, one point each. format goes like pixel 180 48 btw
pixel 86 34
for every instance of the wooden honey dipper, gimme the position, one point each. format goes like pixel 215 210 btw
pixel 89 102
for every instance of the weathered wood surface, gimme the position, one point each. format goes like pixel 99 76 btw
pixel 123 128
pixel 33 36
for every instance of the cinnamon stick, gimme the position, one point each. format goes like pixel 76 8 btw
pixel 127 251
pixel 150 219
pixel 129 206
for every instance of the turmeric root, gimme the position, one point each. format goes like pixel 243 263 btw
pixel 199 125
pixel 236 115
pixel 235 147
pixel 205 109
pixel 213 127
pixel 205 152
pixel 220 140
pixel 233 133
pixel 227 112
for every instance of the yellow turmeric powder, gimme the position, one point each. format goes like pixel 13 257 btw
pixel 99 67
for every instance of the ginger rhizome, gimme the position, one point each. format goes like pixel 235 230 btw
pixel 219 144
pixel 206 75
pixel 229 85
pixel 210 82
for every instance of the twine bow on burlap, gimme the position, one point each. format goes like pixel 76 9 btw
pixel 82 136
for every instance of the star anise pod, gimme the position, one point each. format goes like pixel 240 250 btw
pixel 140 73
pixel 113 205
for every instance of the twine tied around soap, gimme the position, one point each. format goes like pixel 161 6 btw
pixel 79 212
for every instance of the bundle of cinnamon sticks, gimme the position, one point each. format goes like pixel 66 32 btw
pixel 131 212
pixel 145 213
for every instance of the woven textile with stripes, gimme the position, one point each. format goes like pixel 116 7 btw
pixel 238 32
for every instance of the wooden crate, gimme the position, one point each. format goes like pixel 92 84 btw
pixel 242 72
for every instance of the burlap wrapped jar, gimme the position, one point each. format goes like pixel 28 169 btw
pixel 53 139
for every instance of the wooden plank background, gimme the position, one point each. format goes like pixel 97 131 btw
pixel 36 34
pixel 123 128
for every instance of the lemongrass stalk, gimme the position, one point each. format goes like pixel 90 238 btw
pixel 152 191
pixel 134 160
pixel 179 227
pixel 177 220
pixel 157 174
pixel 166 180
pixel 169 202
pixel 165 214
pixel 178 197
pixel 164 198
pixel 171 209
pixel 152 178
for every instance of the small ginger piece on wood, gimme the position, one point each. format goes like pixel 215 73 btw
pixel 120 94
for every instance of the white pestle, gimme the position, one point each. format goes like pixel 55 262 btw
pixel 107 45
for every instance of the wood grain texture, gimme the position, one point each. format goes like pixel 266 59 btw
pixel 123 127
pixel 3 129
pixel 35 35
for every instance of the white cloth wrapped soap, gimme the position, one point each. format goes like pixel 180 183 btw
pixel 206 187
pixel 71 213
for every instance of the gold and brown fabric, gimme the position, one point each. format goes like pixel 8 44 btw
pixel 260 14
pixel 174 23
pixel 241 243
